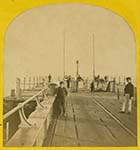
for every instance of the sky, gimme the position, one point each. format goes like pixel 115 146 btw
pixel 34 43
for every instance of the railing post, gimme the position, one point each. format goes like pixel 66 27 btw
pixel 18 89
pixel 124 81
pixel 44 115
pixel 135 96
pixel 119 80
pixel 7 131
pixel 29 82
pixel 24 82
pixel 40 80
pixel 13 93
pixel 23 118
pixel 39 105
pixel 114 83
pixel 37 81
pixel 33 82
pixel 118 92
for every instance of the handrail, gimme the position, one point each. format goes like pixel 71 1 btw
pixel 22 104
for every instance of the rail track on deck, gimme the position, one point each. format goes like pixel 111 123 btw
pixel 114 117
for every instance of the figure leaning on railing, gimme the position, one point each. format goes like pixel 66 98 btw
pixel 59 104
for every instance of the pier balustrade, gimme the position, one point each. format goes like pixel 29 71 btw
pixel 32 130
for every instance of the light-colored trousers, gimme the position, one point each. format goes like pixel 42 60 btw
pixel 127 100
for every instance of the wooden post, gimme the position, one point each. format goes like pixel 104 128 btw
pixel 77 74
pixel 135 96
pixel 13 93
pixel 18 89
pixel 64 36
pixel 29 82
pixel 118 92
pixel 37 81
pixel 33 82
pixel 124 81
pixel 7 131
pixel 114 83
pixel 24 82
pixel 119 80
pixel 93 57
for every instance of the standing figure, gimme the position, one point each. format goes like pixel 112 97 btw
pixel 108 88
pixel 78 79
pixel 129 94
pixel 92 86
pixel 68 81
pixel 60 99
pixel 49 78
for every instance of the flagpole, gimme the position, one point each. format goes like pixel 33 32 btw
pixel 63 54
pixel 93 56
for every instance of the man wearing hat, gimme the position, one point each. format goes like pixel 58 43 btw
pixel 129 94
pixel 60 97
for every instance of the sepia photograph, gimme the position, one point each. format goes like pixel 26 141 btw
pixel 69 78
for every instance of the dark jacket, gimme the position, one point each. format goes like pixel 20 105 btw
pixel 129 89
pixel 61 93
pixel 92 85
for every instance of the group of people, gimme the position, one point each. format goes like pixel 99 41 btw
pixel 61 93
pixel 103 84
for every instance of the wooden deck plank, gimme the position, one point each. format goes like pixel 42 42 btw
pixel 86 124
pixel 65 128
pixel 95 130
pixel 123 137
pixel 109 101
pixel 64 141
pixel 20 137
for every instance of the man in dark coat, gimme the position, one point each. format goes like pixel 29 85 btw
pixel 60 98
pixel 92 86
pixel 129 94
pixel 68 81
pixel 49 78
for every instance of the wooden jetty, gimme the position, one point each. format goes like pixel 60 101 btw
pixel 92 119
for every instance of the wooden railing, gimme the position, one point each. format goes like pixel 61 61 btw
pixel 20 106
pixel 27 84
pixel 43 110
